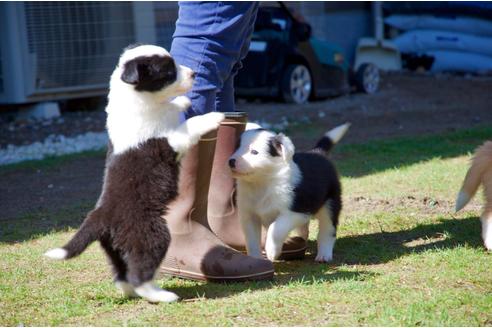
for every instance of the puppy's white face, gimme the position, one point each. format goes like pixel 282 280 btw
pixel 260 153
pixel 150 71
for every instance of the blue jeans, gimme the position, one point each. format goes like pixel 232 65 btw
pixel 211 38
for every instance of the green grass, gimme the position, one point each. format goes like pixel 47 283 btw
pixel 51 161
pixel 401 258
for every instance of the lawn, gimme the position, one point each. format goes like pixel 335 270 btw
pixel 402 257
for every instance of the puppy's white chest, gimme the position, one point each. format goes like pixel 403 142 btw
pixel 267 208
pixel 268 215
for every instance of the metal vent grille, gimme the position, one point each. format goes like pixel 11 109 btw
pixel 77 44
pixel 166 14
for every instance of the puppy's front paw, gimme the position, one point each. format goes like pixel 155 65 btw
pixel 323 258
pixel 182 102
pixel 154 294
pixel 125 288
pixel 272 250
pixel 487 241
pixel 214 118
pixel 211 121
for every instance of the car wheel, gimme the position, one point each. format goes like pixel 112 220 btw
pixel 296 84
pixel 367 78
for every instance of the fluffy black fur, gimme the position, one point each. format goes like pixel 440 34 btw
pixel 128 219
pixel 320 183
pixel 324 145
pixel 150 73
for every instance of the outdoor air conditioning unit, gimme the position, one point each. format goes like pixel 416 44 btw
pixel 58 50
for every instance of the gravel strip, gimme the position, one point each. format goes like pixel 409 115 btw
pixel 53 145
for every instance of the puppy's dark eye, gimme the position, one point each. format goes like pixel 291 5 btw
pixel 254 152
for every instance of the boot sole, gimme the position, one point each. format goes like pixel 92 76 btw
pixel 294 254
pixel 288 255
pixel 267 275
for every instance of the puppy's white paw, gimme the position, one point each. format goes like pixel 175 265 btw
pixel 272 250
pixel 125 288
pixel 213 119
pixel 182 102
pixel 162 296
pixel 487 233
pixel 488 245
pixel 323 258
pixel 56 254
pixel 154 294
pixel 207 122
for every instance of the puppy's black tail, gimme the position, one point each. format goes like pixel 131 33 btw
pixel 332 137
pixel 88 232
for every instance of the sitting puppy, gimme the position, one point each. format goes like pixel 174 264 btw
pixel 142 170
pixel 282 190
pixel 480 172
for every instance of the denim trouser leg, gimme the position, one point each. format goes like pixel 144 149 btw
pixel 211 38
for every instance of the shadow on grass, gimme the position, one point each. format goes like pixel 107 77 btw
pixel 364 159
pixel 376 248
pixel 368 249
pixel 352 160
pixel 37 224
pixel 308 273
pixel 382 247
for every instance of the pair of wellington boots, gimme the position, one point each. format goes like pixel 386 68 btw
pixel 207 242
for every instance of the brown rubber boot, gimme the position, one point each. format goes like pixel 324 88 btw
pixel 222 211
pixel 195 252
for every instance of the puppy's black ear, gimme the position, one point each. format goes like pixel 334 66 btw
pixel 281 145
pixel 130 73
pixel 275 146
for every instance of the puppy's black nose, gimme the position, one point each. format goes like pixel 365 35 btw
pixel 193 75
pixel 232 163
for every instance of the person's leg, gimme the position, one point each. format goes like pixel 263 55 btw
pixel 205 41
pixel 222 212
pixel 209 39
pixel 225 96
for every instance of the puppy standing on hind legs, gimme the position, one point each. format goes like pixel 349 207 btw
pixel 281 190
pixel 480 172
pixel 141 175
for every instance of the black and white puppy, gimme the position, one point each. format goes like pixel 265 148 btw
pixel 282 190
pixel 141 175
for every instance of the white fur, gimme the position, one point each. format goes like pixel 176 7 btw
pixel 143 50
pixel 461 200
pixel 265 191
pixel 252 126
pixel 326 235
pixel 188 133
pixel 279 230
pixel 154 294
pixel 56 254
pixel 337 133
pixel 303 231
pixel 487 231
pixel 136 116
pixel 125 288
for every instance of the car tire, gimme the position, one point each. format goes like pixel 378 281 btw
pixel 367 78
pixel 297 84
